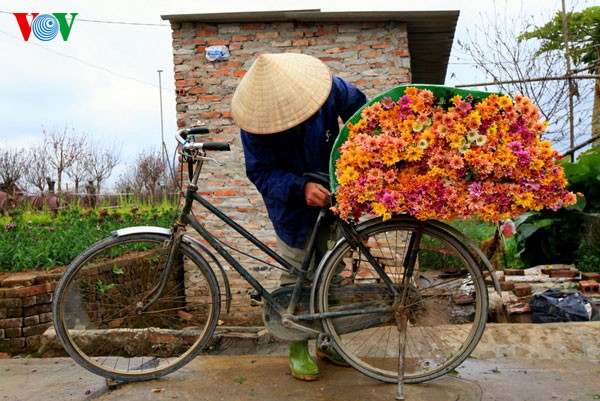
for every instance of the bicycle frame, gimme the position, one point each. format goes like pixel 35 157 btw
pixel 286 311
pixel 187 218
pixel 195 163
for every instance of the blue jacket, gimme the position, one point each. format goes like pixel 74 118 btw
pixel 275 162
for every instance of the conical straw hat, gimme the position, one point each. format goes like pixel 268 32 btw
pixel 280 91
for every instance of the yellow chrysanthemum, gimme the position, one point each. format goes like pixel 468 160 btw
pixel 413 153
pixel 348 175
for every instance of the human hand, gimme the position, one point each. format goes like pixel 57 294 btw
pixel 316 194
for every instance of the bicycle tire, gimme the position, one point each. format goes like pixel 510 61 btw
pixel 447 309
pixel 98 302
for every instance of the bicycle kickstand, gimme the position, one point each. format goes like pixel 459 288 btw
pixel 402 327
pixel 402 317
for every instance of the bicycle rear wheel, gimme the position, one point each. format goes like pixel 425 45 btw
pixel 106 321
pixel 445 299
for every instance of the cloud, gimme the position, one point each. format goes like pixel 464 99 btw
pixel 104 80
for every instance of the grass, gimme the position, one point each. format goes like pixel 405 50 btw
pixel 42 241
pixel 33 241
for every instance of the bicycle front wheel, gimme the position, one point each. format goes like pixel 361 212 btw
pixel 121 315
pixel 445 302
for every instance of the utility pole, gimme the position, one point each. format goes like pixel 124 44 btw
pixel 572 88
pixel 162 132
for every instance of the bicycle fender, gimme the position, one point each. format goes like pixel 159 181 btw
pixel 192 241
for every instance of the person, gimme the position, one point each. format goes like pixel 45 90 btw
pixel 288 107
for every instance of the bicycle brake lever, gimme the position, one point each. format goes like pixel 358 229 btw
pixel 210 159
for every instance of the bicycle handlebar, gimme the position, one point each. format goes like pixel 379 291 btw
pixel 186 137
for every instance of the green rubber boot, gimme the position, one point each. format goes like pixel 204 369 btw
pixel 332 356
pixel 302 365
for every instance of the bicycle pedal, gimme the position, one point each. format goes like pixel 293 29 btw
pixel 324 342
pixel 255 299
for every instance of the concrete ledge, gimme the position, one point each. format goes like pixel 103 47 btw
pixel 577 340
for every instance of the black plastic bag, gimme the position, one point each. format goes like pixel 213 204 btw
pixel 562 306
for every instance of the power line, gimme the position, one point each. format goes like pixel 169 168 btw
pixel 109 22
pixel 122 22
pixel 86 63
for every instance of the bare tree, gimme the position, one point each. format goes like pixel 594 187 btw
pixel 63 149
pixel 150 169
pixel 578 35
pixel 514 67
pixel 101 161
pixel 12 167
pixel 78 171
pixel 38 169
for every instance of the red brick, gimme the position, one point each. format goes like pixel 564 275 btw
pixel 196 90
pixel 590 276
pixel 326 31
pixel 210 114
pixel 217 42
pixel 11 323
pixel 301 42
pixel 239 38
pixel 206 32
pixel 563 273
pixel 253 27
pixel 35 290
pixel 589 286
pixel 223 73
pixel 225 192
pixel 13 333
pixel 522 289
pixel 267 35
pixel 371 55
pixel 181 83
pixel 400 52
pixel 47 277
pixel 11 303
pixel 285 43
pixel 210 98
pixel 19 279
pixel 514 272
pixel 383 45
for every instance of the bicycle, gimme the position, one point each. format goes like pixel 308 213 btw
pixel 402 300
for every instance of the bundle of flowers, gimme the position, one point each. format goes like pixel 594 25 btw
pixel 467 154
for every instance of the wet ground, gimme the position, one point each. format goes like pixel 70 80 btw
pixel 553 362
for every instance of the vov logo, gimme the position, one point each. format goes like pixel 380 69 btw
pixel 45 27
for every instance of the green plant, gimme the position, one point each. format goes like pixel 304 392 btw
pixel 584 177
pixel 102 287
pixel 32 241
pixel 547 237
pixel 588 257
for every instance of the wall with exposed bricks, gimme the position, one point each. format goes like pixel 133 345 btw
pixel 25 310
pixel 372 55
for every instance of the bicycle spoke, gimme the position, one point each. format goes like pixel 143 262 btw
pixel 433 323
pixel 105 318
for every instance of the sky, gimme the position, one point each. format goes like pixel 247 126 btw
pixel 104 81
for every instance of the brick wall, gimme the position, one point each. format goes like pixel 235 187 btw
pixel 25 310
pixel 372 55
